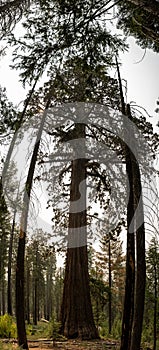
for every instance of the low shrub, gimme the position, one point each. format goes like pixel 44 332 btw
pixel 7 327
pixel 116 328
pixel 54 327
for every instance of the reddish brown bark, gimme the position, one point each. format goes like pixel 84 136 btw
pixel 76 312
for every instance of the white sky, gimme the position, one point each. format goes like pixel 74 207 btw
pixel 142 78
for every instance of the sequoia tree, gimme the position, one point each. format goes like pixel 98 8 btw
pixel 89 70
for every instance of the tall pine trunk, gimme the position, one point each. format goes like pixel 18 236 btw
pixel 133 316
pixel 20 312
pixel 140 257
pixel 76 311
pixel 3 177
pixel 130 265
pixel 128 311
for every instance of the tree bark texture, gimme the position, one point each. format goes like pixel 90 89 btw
pixel 76 311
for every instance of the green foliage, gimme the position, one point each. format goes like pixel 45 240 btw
pixel 151 322
pixel 31 329
pixel 116 327
pixel 57 32
pixel 10 13
pixel 8 113
pixel 7 327
pixel 104 329
pixel 38 331
pixel 147 334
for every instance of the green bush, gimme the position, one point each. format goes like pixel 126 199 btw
pixel 103 329
pixel 54 327
pixel 7 327
pixel 31 329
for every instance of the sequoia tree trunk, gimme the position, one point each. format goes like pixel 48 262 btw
pixel 76 311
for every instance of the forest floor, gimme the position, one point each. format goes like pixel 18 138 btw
pixel 43 344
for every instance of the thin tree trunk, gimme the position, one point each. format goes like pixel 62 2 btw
pixel 76 311
pixel 19 124
pixel 35 292
pixel 128 312
pixel 110 289
pixel 155 312
pixel 97 304
pixel 130 268
pixel 20 313
pixel 35 303
pixel 140 254
pixel 28 294
pixel 9 295
pixel 3 177
pixel 3 296
pixel 139 289
pixel 133 309
pixel 10 265
pixel 47 297
pixel 38 305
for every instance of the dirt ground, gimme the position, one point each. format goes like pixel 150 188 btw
pixel 71 345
